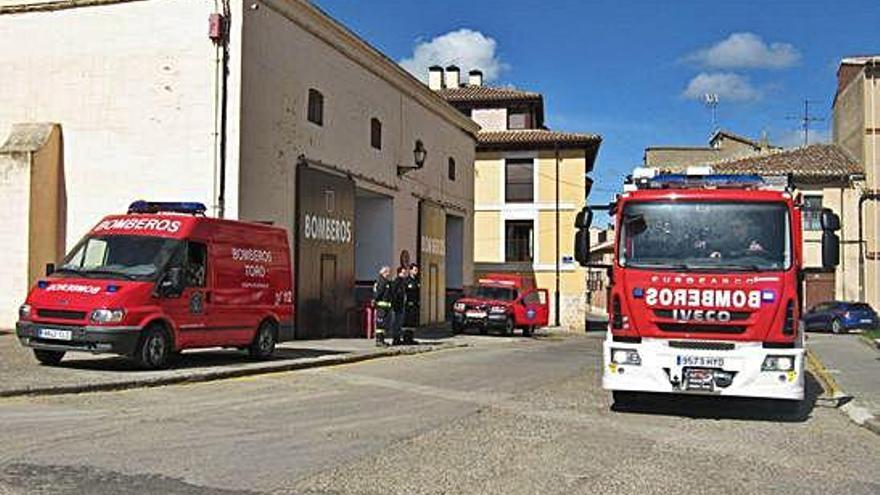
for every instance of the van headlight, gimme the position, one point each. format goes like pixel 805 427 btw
pixel 459 307
pixel 107 315
pixel 778 363
pixel 626 356
pixel 498 310
pixel 24 312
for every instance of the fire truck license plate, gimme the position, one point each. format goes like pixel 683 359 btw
pixel 51 333
pixel 700 361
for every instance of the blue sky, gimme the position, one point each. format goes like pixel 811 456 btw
pixel 625 69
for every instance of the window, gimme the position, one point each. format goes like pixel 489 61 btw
pixel 196 264
pixel 519 119
pixel 812 213
pixel 376 133
pixel 518 181
pixel 451 169
pixel 316 107
pixel 518 245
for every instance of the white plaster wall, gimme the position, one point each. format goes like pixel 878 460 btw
pixel 15 186
pixel 132 85
pixel 490 119
pixel 283 59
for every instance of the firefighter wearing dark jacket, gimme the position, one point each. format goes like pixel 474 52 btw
pixel 382 303
pixel 413 296
pixel 398 305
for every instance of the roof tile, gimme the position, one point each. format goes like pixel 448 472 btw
pixel 813 161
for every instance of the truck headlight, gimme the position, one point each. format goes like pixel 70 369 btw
pixel 626 356
pixel 107 315
pixel 778 363
pixel 24 312
pixel 458 307
pixel 498 309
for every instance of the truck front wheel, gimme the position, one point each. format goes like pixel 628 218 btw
pixel 49 358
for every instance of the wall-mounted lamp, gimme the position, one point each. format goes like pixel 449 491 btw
pixel 419 154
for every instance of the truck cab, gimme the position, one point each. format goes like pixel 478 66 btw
pixel 504 302
pixel 706 287
pixel 161 279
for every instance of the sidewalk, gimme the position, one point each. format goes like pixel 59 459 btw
pixel 855 367
pixel 20 374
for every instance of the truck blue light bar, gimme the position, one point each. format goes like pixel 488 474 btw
pixel 167 207
pixel 736 181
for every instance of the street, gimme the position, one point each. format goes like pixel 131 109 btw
pixel 506 415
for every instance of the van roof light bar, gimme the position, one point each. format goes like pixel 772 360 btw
pixel 187 208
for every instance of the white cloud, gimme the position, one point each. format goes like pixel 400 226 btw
pixel 728 87
pixel 746 51
pixel 795 138
pixel 466 48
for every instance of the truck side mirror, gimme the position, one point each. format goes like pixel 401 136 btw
pixel 829 220
pixel 584 218
pixel 170 283
pixel 582 246
pixel 50 269
pixel 830 250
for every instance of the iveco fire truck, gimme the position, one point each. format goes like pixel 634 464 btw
pixel 706 286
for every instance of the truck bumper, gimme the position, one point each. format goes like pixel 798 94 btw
pixel 667 368
pixel 94 339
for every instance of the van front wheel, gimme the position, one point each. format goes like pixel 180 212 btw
pixel 264 342
pixel 154 348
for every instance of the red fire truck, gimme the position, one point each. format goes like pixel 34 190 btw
pixel 161 279
pixel 706 286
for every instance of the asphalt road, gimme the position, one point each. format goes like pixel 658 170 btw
pixel 504 416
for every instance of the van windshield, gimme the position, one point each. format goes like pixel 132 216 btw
pixel 120 256
pixel 498 293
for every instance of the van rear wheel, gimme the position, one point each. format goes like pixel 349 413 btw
pixel 154 349
pixel 264 342
pixel 48 358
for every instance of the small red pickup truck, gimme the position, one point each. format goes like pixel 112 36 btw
pixel 504 302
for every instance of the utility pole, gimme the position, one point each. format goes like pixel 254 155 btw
pixel 711 100
pixel 806 119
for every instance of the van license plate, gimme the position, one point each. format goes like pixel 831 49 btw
pixel 477 315
pixel 52 334
pixel 700 361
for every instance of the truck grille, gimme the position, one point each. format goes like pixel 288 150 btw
pixel 734 315
pixel 61 314
pixel 701 328
pixel 702 345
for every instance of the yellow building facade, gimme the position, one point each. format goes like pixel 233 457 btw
pixel 529 184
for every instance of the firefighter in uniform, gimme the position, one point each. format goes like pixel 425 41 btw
pixel 413 293
pixel 398 305
pixel 382 303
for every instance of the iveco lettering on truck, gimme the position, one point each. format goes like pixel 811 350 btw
pixel 159 280
pixel 706 286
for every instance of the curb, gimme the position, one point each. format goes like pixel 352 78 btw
pixel 856 413
pixel 222 374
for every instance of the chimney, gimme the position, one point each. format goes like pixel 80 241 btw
pixel 435 77
pixel 453 77
pixel 475 78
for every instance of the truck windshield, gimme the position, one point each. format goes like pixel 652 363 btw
pixel 122 256
pixel 709 236
pixel 497 293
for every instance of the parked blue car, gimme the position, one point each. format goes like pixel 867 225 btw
pixel 840 317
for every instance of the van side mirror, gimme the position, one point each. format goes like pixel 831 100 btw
pixel 829 220
pixel 50 269
pixel 830 250
pixel 170 283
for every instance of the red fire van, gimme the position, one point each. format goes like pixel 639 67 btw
pixel 502 301
pixel 159 280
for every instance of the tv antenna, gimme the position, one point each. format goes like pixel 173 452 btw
pixel 806 119
pixel 711 101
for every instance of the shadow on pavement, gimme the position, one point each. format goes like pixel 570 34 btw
pixel 597 325
pixel 715 407
pixel 199 359
pixel 5 332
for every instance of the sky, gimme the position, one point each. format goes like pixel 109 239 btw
pixel 636 72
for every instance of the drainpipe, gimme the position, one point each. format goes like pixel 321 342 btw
pixel 219 34
pixel 866 196
pixel 556 297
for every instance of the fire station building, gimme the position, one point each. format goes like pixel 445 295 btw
pixel 264 110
